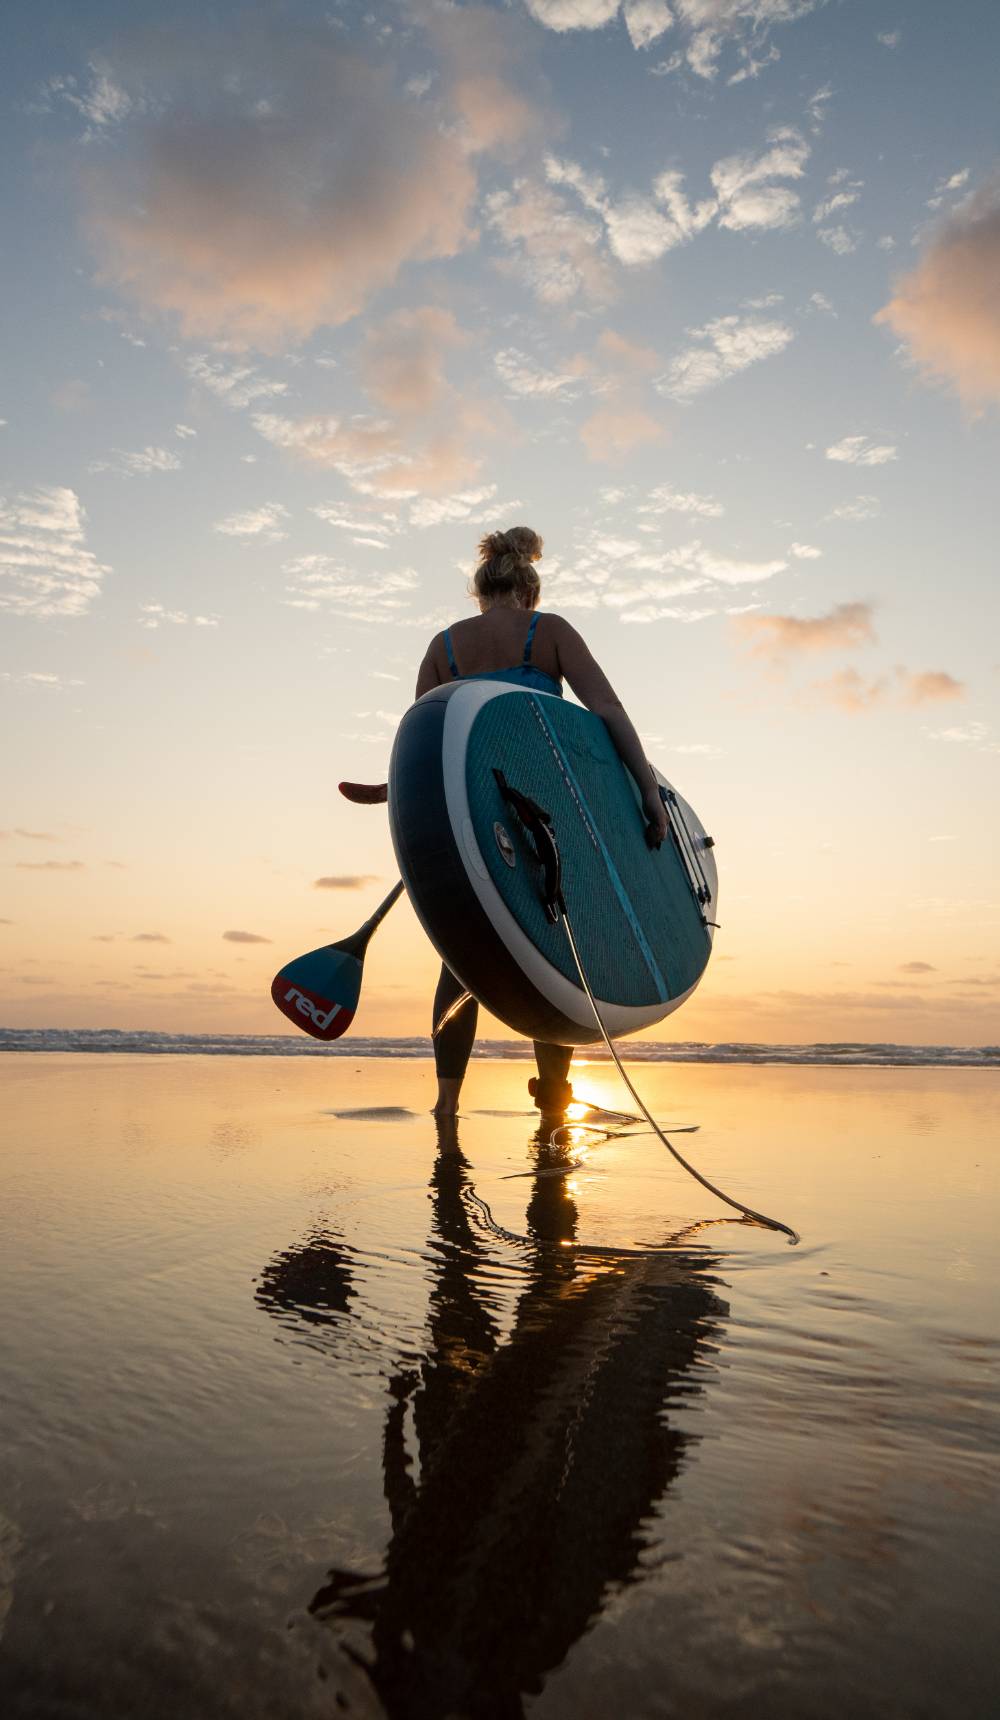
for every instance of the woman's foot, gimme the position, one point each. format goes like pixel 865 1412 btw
pixel 447 1099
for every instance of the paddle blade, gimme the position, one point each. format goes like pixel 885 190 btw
pixel 319 992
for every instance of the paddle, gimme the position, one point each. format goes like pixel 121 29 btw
pixel 319 992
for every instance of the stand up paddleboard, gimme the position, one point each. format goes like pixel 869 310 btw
pixel 466 757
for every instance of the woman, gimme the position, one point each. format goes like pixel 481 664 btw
pixel 511 640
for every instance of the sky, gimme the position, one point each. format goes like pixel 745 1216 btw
pixel 300 300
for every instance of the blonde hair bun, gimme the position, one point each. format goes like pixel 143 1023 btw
pixel 506 565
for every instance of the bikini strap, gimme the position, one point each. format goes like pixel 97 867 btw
pixel 532 624
pixel 451 655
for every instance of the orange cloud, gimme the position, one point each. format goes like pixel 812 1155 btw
pixel 930 686
pixel 277 184
pixel 947 309
pixel 345 881
pixel 781 636
pixel 613 431
pixel 402 360
pixel 851 692
pixel 500 106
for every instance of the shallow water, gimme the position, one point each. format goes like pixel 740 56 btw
pixel 310 1412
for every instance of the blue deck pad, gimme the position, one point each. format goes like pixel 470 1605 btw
pixel 640 932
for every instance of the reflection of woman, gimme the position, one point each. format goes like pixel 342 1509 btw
pixel 540 1458
pixel 511 640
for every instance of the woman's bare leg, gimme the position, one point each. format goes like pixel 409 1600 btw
pixel 453 1045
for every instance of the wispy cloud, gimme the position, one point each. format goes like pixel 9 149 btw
pixel 153 615
pixel 236 385
pixel 265 523
pixel 45 570
pixel 707 28
pixel 722 349
pixel 50 865
pixel 140 464
pixel 245 938
pixel 862 508
pixel 319 582
pixel 862 451
pixel 664 499
pixel 523 377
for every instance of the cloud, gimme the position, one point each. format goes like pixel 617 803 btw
pixel 838 239
pixel 430 435
pixel 779 637
pixel 237 385
pixel 930 686
pixel 947 310
pixel 851 692
pixel 345 881
pixel 640 227
pixel 862 451
pixel 838 200
pixel 154 615
pixel 614 432
pixel 804 551
pixel 450 510
pixel 264 523
pixel 523 377
pixel 102 102
pixel 862 508
pixel 976 735
pixel 666 500
pixel 722 349
pixel 276 182
pixel 45 570
pixel 245 938
pixel 917 967
pixel 710 26
pixel 746 198
pixel 140 464
pixel 557 252
pixel 402 359
pixel 49 865
pixel 150 938
pixel 496 111
pixel 319 582
pixel 646 21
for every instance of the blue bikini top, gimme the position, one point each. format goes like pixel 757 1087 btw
pixel 523 674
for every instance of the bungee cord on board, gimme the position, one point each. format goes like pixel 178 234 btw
pixel 738 1205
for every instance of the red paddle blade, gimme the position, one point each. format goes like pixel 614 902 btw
pixel 319 992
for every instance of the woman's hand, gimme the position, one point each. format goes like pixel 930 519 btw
pixel 365 793
pixel 655 814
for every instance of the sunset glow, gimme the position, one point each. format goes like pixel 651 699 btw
pixel 300 303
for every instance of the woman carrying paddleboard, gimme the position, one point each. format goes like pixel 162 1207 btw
pixel 511 640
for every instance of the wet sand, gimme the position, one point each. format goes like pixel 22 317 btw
pixel 312 1409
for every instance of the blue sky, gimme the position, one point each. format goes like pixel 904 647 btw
pixel 297 303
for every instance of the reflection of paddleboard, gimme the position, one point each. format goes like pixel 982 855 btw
pixel 642 917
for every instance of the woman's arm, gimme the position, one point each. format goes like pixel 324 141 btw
pixel 593 689
pixel 429 675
